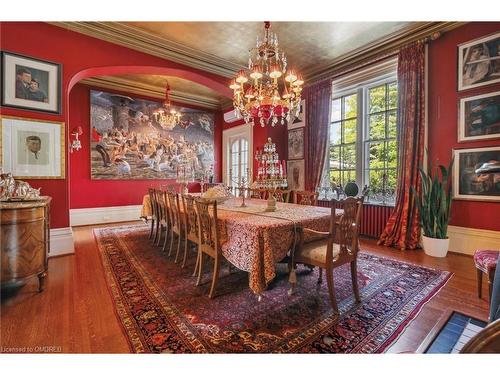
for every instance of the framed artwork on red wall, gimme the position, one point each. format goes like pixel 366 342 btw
pixel 29 83
pixel 479 117
pixel 479 62
pixel 296 144
pixel 476 174
pixel 299 121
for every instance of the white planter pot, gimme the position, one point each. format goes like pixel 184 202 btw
pixel 435 247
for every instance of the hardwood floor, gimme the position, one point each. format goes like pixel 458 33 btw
pixel 75 313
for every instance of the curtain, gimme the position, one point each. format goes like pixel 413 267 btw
pixel 402 229
pixel 317 108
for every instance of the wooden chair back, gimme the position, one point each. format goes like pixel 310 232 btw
pixel 258 193
pixel 208 233
pixel 280 195
pixel 346 229
pixel 175 215
pixel 153 203
pixel 190 217
pixel 306 198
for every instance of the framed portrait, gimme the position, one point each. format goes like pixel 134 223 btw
pixel 479 62
pixel 129 142
pixel 479 117
pixel 295 174
pixel 296 144
pixel 32 148
pixel 476 174
pixel 29 83
pixel 300 120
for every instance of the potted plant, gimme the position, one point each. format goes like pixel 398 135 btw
pixel 434 203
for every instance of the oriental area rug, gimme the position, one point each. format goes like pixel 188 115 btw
pixel 163 311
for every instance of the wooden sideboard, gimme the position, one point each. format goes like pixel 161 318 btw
pixel 25 240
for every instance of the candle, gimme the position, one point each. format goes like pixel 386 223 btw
pixel 284 167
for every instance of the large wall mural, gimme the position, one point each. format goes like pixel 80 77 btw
pixel 128 143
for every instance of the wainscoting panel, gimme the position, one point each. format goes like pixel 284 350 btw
pixel 373 218
pixel 61 242
pixel 467 240
pixel 101 215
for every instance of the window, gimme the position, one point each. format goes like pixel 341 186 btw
pixel 238 161
pixel 363 134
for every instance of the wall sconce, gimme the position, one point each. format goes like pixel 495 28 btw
pixel 75 143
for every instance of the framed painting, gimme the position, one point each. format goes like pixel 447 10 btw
pixel 29 83
pixel 296 144
pixel 129 142
pixel 479 62
pixel 479 117
pixel 295 176
pixel 300 120
pixel 32 148
pixel 476 174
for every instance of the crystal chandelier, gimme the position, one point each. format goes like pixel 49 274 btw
pixel 167 116
pixel 268 93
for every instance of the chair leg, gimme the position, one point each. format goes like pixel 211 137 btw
pixel 354 277
pixel 179 239
pixel 215 277
pixel 152 226
pixel 479 283
pixel 160 230
pixel 157 229
pixel 491 276
pixel 171 242
pixel 320 278
pixel 200 268
pixel 167 230
pixel 197 263
pixel 331 289
pixel 186 245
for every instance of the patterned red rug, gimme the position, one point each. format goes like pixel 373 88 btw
pixel 162 310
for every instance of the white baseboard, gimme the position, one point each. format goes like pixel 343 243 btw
pixel 101 215
pixel 61 242
pixel 467 240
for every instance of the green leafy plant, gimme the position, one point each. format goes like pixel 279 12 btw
pixel 434 200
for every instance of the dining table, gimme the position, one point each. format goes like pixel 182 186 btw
pixel 254 240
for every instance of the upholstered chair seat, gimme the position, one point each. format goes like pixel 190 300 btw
pixel 315 251
pixel 485 262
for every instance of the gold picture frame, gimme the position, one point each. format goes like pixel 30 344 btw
pixel 16 157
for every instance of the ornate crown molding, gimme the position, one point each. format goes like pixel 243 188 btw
pixel 135 87
pixel 140 40
pixel 378 50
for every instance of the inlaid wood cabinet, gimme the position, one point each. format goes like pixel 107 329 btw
pixel 24 240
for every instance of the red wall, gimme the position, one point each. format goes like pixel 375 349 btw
pixel 84 192
pixel 443 111
pixel 82 56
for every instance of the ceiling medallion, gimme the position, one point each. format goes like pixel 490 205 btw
pixel 268 93
pixel 167 116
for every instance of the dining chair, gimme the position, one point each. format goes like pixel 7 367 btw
pixel 161 216
pixel 190 227
pixel 151 193
pixel 166 219
pixel 326 253
pixel 282 196
pixel 176 227
pixel 208 239
pixel 306 198
pixel 258 193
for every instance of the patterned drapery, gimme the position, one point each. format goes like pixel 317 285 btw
pixel 317 101
pixel 403 229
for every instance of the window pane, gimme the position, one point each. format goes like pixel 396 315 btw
pixel 336 113
pixel 335 176
pixel 391 179
pixel 234 146
pixel 376 153
pixel 335 157
pixel 348 157
pixel 376 180
pixel 377 126
pixel 348 176
pixel 335 133
pixel 244 145
pixel 392 125
pixel 393 95
pixel 350 131
pixel 376 99
pixel 392 154
pixel 350 106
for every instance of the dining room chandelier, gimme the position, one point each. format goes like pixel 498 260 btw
pixel 268 92
pixel 166 115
